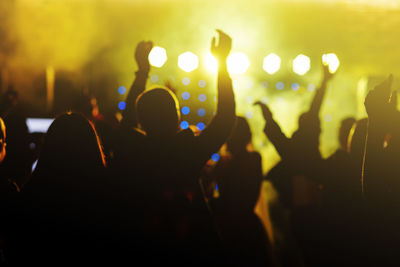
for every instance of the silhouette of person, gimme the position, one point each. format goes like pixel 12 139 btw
pixel 239 176
pixel 164 163
pixel 63 199
pixel 299 154
pixel 380 174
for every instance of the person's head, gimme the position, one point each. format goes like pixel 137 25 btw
pixel 344 131
pixel 71 146
pixel 158 112
pixel 2 140
pixel 240 136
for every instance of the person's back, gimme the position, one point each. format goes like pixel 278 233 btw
pixel 160 166
pixel 63 199
pixel 238 176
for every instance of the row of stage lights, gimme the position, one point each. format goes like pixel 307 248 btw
pixel 238 62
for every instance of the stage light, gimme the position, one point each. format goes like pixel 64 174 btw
pixel 328 118
pixel 202 83
pixel 272 63
pixel 122 105
pixel 188 61
pixel 238 63
pixel 295 86
pixel 301 64
pixel 332 61
pixel 280 85
pixel 157 56
pixel 249 114
pixel 185 95
pixel 122 90
pixel 311 87
pixel 154 78
pixel 186 81
pixel 215 157
pixel 184 125
pixel 202 97
pixel 211 63
pixel 201 126
pixel 185 110
pixel 201 112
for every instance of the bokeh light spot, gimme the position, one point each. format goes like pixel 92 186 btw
pixel 249 99
pixel 157 56
pixel 238 63
pixel 186 81
pixel 154 78
pixel 185 110
pixel 184 125
pixel 272 63
pixel 185 95
pixel 122 90
pixel 332 61
pixel 215 158
pixel 122 105
pixel 202 83
pixel 328 117
pixel 249 114
pixel 188 61
pixel 280 85
pixel 201 112
pixel 201 126
pixel 311 87
pixel 202 97
pixel 301 64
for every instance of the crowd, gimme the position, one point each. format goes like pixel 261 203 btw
pixel 139 190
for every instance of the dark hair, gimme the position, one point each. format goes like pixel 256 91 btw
pixel 240 136
pixel 158 111
pixel 71 146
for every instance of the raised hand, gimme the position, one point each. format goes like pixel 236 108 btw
pixel 327 74
pixel 377 101
pixel 142 55
pixel 265 110
pixel 222 50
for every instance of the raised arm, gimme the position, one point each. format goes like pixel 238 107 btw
pixel 139 85
pixel 274 132
pixel 376 174
pixel 319 95
pixel 216 133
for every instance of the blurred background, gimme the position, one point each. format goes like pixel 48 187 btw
pixel 52 51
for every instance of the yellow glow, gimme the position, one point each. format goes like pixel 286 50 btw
pixel 332 61
pixel 301 64
pixel 211 63
pixel 238 63
pixel 272 63
pixel 158 56
pixel 188 61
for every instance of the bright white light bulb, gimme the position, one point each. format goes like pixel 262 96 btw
pixel 238 63
pixel 272 63
pixel 188 61
pixel 332 61
pixel 157 56
pixel 301 64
